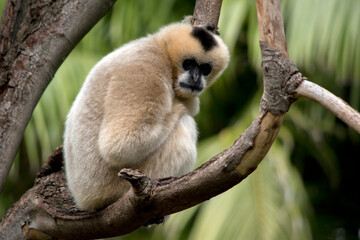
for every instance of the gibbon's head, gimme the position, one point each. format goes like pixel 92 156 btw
pixel 197 55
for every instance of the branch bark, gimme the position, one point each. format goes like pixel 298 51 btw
pixel 331 102
pixel 36 36
pixel 207 11
pixel 306 88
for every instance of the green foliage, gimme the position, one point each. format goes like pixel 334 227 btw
pixel 313 149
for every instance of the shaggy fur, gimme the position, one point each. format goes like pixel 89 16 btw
pixel 132 113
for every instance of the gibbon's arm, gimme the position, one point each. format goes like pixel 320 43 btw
pixel 139 116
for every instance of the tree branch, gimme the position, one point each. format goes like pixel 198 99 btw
pixel 331 102
pixel 306 89
pixel 36 36
pixel 268 33
pixel 207 11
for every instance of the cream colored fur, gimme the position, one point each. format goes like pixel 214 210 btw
pixel 130 113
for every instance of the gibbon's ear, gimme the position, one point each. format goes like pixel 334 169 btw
pixel 188 19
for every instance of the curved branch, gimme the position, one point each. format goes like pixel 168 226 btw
pixel 331 102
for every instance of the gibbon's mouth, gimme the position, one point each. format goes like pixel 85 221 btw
pixel 194 88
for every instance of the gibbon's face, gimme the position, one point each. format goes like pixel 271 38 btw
pixel 198 57
pixel 192 80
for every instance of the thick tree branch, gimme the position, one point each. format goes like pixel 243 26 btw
pixel 36 36
pixel 271 26
pixel 207 11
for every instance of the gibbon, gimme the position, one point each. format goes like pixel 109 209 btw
pixel 135 110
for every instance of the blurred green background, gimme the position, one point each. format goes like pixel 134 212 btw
pixel 307 187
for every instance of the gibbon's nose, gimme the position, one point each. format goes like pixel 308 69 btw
pixel 195 74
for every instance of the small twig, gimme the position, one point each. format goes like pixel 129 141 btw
pixel 331 102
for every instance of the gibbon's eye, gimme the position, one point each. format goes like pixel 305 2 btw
pixel 189 64
pixel 205 69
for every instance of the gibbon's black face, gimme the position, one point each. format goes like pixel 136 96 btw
pixel 198 57
pixel 192 81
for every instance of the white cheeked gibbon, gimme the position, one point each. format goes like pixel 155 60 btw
pixel 135 110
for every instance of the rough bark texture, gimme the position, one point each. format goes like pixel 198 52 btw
pixel 36 36
pixel 48 210
pixel 331 102
pixel 271 26
pixel 280 78
pixel 207 12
